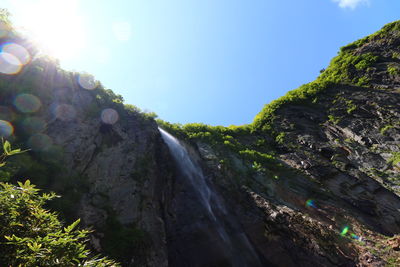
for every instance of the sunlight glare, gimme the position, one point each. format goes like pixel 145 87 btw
pixel 54 25
pixel 9 64
pixel 17 51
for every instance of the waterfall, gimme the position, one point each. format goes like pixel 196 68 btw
pixel 206 216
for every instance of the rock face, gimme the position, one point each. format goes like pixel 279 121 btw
pixel 110 175
pixel 316 181
pixel 201 231
pixel 351 156
pixel 335 199
pixel 124 166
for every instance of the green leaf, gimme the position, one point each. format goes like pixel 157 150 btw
pixel 6 147
pixel 17 151
pixel 72 226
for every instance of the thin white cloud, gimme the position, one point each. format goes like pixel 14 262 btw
pixel 350 3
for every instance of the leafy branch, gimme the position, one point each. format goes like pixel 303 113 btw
pixel 8 152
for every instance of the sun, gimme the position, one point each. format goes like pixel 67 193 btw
pixel 54 25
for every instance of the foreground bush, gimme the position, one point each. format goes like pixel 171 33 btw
pixel 33 236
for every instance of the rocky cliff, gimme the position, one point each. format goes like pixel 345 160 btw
pixel 314 180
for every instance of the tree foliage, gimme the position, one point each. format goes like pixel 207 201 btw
pixel 31 235
pixel 4 15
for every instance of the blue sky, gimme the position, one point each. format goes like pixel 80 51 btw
pixel 212 61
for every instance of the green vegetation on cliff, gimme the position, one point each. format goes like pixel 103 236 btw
pixel 34 96
pixel 248 150
pixel 356 66
pixel 348 68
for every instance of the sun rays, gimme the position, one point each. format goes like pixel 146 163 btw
pixel 54 25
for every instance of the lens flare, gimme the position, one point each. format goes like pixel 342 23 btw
pixel 310 203
pixel 6 129
pixel 33 125
pixel 27 103
pixel 6 114
pixel 109 116
pixel 17 51
pixel 9 64
pixel 40 142
pixel 65 112
pixel 344 231
pixel 354 236
pixel 87 81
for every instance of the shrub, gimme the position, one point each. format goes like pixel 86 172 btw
pixel 30 235
pixel 33 236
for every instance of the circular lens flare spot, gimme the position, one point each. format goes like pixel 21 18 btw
pixel 40 142
pixel 9 64
pixel 17 51
pixel 27 103
pixel 33 125
pixel 310 203
pixel 87 81
pixel 65 112
pixel 6 129
pixel 109 116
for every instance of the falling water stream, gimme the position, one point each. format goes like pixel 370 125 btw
pixel 208 214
